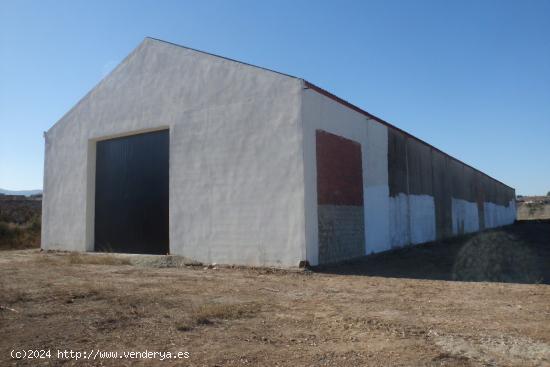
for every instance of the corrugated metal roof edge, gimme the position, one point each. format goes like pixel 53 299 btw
pixel 378 119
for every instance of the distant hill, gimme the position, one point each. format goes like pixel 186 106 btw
pixel 20 192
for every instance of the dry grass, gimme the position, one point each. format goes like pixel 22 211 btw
pixel 12 296
pixel 77 259
pixel 233 317
pixel 88 291
pixel 185 325
pixel 207 313
pixel 19 224
pixel 19 236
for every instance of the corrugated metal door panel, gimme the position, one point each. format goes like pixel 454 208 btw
pixel 131 200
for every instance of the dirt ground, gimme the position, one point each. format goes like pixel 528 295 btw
pixel 411 314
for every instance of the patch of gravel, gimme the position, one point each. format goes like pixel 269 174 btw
pixel 501 351
pixel 149 261
pixel 159 261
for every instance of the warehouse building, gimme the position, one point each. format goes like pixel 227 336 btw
pixel 184 152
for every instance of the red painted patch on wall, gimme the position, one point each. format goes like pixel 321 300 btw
pixel 339 170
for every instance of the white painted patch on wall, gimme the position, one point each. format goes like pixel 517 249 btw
pixel 412 219
pixel 377 212
pixel 422 216
pixel 399 221
pixel 499 215
pixel 465 216
pixel 376 190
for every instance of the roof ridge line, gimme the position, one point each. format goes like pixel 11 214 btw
pixel 222 57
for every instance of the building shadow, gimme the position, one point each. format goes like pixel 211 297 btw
pixel 518 253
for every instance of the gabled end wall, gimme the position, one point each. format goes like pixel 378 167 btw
pixel 236 183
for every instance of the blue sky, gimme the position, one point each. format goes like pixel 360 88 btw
pixel 470 77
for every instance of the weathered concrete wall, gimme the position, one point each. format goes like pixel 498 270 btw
pixel 434 196
pixel 413 193
pixel 236 175
pixel 411 184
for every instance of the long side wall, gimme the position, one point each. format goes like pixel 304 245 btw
pixel 433 196
pixel 413 193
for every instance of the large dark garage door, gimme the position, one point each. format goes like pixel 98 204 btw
pixel 131 199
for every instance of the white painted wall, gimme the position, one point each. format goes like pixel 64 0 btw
pixel 465 216
pixel 412 220
pixel 321 112
pixel 399 220
pixel 499 215
pixel 422 213
pixel 236 175
pixel 376 191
